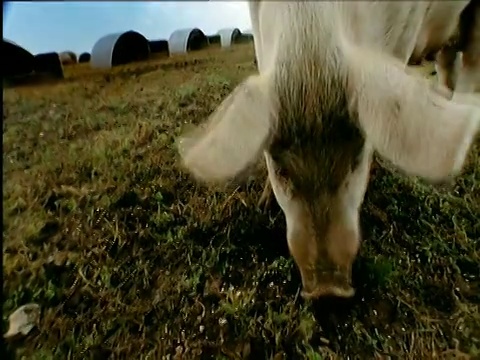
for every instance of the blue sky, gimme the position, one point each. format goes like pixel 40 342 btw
pixel 76 26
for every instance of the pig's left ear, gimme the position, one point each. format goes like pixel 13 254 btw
pixel 406 121
pixel 235 134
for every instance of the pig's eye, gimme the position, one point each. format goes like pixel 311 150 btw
pixel 284 180
pixel 282 174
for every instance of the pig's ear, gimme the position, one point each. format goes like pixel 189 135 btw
pixel 234 136
pixel 406 121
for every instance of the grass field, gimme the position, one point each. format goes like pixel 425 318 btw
pixel 131 259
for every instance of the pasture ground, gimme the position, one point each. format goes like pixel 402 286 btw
pixel 130 259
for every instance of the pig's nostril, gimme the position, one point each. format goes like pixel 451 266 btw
pixel 329 290
pixel 324 282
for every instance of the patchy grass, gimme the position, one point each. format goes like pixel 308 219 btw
pixel 130 259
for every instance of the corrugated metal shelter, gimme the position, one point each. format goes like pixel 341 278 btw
pixel 84 57
pixel 214 39
pixel 49 64
pixel 16 61
pixel 118 49
pixel 244 38
pixel 184 40
pixel 247 35
pixel 68 57
pixel 229 36
pixel 158 47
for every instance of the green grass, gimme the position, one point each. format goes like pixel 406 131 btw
pixel 129 258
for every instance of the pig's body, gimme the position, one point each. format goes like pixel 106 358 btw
pixel 332 89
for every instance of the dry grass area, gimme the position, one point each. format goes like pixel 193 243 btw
pixel 130 259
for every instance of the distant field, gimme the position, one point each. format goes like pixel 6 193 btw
pixel 130 259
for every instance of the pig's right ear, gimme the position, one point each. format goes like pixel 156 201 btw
pixel 406 121
pixel 235 135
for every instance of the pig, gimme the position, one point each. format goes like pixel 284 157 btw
pixel 332 88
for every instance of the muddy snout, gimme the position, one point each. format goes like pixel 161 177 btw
pixel 325 263
pixel 318 283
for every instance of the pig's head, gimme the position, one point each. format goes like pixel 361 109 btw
pixel 319 180
pixel 317 132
